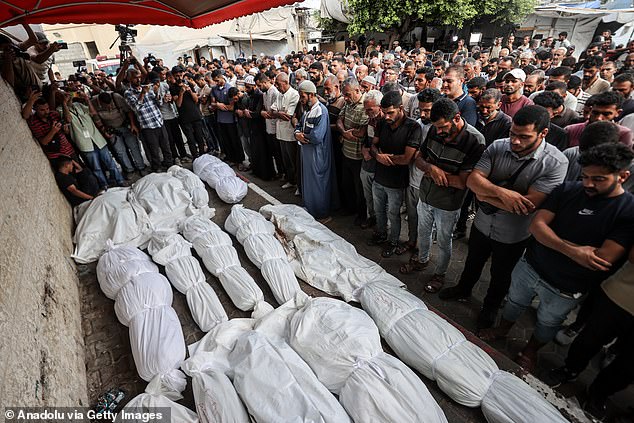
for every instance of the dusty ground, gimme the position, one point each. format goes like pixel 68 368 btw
pixel 109 361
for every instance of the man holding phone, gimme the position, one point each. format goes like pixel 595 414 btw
pixel 42 53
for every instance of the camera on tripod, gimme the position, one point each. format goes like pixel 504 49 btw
pixel 126 35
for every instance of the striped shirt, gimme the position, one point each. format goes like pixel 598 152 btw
pixel 454 157
pixel 148 111
pixel 59 145
pixel 354 117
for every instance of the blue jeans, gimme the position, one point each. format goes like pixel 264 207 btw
pixel 101 156
pixel 212 138
pixel 553 308
pixel 367 178
pixel 387 205
pixel 126 142
pixel 444 221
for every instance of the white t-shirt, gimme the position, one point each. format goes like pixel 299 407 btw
pixel 40 69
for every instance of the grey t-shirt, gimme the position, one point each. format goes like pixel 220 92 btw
pixel 499 162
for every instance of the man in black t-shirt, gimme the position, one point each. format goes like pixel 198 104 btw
pixel 395 142
pixel 189 116
pixel 581 235
pixel 77 184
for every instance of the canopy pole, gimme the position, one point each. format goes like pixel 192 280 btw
pixel 251 41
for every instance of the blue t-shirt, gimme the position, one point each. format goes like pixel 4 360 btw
pixel 585 221
pixel 222 96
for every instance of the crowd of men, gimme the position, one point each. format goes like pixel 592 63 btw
pixel 533 141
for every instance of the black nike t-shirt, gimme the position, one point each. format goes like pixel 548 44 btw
pixel 586 221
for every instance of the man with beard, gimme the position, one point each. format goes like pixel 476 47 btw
pixel 316 75
pixel 511 180
pixel 563 263
pixel 422 80
pixel 513 99
pixel 284 109
pixel 368 84
pixel 264 81
pixel 452 88
pixel 227 131
pixel 492 69
pixel 394 144
pixel 143 101
pixel 592 82
pixel 533 84
pixel 352 124
pixel 447 156
pixel 605 106
pixel 361 72
pixel 313 133
pixel 334 102
pixel 189 115
pixel 372 107
pixel 493 124
pixel 262 159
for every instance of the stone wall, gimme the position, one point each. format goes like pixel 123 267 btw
pixel 41 340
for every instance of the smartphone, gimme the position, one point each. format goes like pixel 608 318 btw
pixel 63 46
pixel 79 63
pixel 61 84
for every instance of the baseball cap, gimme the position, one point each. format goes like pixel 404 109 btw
pixel 516 74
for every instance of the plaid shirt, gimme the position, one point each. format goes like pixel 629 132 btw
pixel 59 145
pixel 148 111
pixel 354 117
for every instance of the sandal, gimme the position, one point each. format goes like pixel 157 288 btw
pixel 435 284
pixel 413 266
pixel 403 248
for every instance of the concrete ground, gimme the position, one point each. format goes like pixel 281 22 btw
pixel 109 361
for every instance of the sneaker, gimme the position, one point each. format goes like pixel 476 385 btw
pixel 565 336
pixel 177 161
pixel 370 222
pixel 297 194
pixel 377 239
pixel 454 293
pixel 559 376
pixel 287 185
pixel 486 318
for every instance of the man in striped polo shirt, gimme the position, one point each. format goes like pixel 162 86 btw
pixel 447 156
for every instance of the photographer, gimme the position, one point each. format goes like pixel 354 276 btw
pixel 79 112
pixel 189 117
pixel 122 83
pixel 116 123
pixel 15 69
pixel 41 52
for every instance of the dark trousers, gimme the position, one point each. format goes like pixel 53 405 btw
pixel 618 374
pixel 289 158
pixel 352 188
pixel 156 142
pixel 177 146
pixel 230 142
pixel 195 137
pixel 461 225
pixel 606 322
pixel 504 257
pixel 275 149
pixel 87 181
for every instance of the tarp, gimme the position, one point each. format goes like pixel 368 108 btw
pixel 194 14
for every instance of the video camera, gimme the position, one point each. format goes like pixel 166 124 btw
pixel 151 59
pixel 126 35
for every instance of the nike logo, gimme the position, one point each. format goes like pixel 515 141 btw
pixel 586 212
